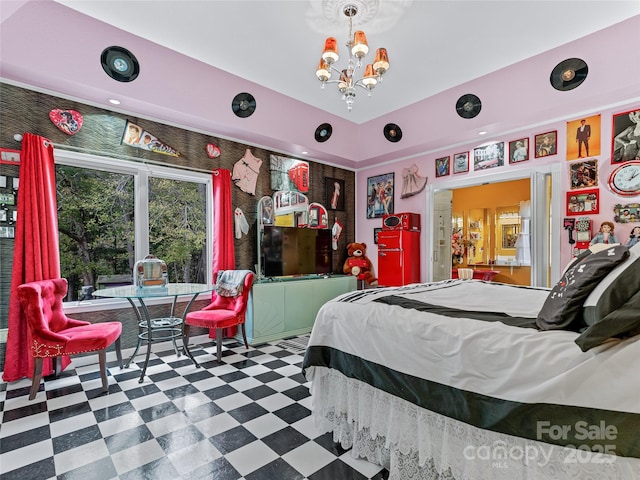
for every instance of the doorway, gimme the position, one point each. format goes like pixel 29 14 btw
pixel 489 241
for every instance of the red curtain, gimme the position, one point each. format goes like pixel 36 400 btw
pixel 223 234
pixel 35 255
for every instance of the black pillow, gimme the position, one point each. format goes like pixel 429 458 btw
pixel 563 307
pixel 623 322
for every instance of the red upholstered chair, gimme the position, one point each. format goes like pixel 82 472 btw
pixel 221 313
pixel 51 334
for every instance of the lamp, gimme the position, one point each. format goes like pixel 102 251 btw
pixel 358 49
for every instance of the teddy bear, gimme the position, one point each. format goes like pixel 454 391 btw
pixel 358 264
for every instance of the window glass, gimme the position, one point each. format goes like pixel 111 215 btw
pixel 112 213
pixel 177 228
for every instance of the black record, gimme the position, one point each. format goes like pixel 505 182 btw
pixel 468 106
pixel 569 74
pixel 120 64
pixel 392 132
pixel 243 105
pixel 323 132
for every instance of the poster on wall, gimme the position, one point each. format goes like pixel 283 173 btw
pixel 380 195
pixel 583 202
pixel 546 144
pixel 135 136
pixel 461 162
pixel 583 137
pixel 334 192
pixel 488 156
pixel 625 144
pixel 442 166
pixel 289 174
pixel 519 150
pixel 583 174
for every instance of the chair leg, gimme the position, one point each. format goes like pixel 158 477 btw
pixel 244 336
pixel 102 356
pixel 219 343
pixel 185 342
pixel 37 376
pixel 118 352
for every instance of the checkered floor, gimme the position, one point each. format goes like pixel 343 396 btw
pixel 245 418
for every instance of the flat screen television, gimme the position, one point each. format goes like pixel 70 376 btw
pixel 295 251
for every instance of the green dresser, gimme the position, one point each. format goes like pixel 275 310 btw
pixel 288 307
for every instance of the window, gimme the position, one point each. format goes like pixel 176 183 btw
pixel 112 213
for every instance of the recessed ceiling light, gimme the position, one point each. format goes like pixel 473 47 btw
pixel 482 133
pixel 114 101
pixel 304 153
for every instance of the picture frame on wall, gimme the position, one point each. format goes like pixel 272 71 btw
pixel 376 231
pixel 519 150
pixel 627 213
pixel 380 195
pixel 443 166
pixel 488 156
pixel 583 174
pixel 461 162
pixel 583 202
pixel 583 137
pixel 334 192
pixel 624 142
pixel 546 144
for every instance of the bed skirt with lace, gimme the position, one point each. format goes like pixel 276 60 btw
pixel 414 443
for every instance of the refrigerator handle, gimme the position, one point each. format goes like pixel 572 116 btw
pixel 382 254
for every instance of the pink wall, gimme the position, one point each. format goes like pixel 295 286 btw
pixel 426 164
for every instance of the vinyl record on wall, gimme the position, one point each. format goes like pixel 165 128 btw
pixel 468 106
pixel 569 74
pixel 323 132
pixel 120 64
pixel 243 105
pixel 392 132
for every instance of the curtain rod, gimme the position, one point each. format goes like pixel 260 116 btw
pixel 18 138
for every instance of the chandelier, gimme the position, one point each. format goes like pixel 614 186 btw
pixel 358 49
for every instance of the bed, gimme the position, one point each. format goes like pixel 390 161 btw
pixel 458 380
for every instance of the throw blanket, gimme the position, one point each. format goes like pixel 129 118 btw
pixel 230 282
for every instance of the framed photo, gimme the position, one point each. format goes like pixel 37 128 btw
pixel 7 232
pixel 488 156
pixel 376 231
pixel 443 166
pixel 334 193
pixel 3 215
pixel 583 174
pixel 380 195
pixel 583 202
pixel 461 162
pixel 546 144
pixel 583 137
pixel 626 130
pixel 519 150
pixel 628 213
pixel 3 181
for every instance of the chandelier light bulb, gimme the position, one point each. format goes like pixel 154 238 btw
pixel 360 46
pixel 323 72
pixel 330 53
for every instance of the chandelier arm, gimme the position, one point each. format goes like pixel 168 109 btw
pixel 359 83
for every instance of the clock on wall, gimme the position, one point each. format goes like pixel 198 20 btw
pixel 625 179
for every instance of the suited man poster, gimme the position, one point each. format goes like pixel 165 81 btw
pixel 583 137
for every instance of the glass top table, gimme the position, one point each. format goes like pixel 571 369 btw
pixel 152 330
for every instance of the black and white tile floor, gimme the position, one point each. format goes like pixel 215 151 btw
pixel 245 418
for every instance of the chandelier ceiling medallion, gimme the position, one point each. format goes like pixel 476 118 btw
pixel 358 48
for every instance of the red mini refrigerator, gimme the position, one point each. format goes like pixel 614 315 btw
pixel 399 255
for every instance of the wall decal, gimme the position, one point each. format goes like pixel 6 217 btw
pixel 213 151
pixel 135 136
pixel 69 121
